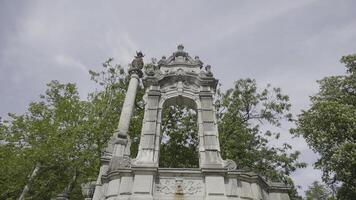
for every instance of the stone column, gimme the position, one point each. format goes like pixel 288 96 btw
pixel 149 144
pixel 120 141
pixel 210 157
pixel 120 137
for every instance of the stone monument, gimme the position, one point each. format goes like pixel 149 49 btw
pixel 184 80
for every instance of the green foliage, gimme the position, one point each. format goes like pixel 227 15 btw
pixel 243 110
pixel 52 131
pixel 329 127
pixel 318 191
pixel 179 146
pixel 14 162
pixel 64 136
pixel 244 114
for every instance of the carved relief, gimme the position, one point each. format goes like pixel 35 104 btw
pixel 179 186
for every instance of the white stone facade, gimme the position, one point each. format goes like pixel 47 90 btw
pixel 178 79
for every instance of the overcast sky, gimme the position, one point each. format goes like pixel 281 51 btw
pixel 289 44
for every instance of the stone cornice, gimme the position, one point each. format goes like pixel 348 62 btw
pixel 192 78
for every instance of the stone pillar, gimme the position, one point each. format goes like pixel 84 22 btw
pixel 150 139
pixel 120 141
pixel 125 117
pixel 210 157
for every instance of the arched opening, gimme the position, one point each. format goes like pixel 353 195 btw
pixel 179 139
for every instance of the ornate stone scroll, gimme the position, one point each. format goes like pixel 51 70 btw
pixel 230 165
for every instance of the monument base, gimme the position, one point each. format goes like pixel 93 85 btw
pixel 187 184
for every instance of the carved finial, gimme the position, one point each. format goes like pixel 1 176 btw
pixel 138 61
pixel 180 47
pixel 208 70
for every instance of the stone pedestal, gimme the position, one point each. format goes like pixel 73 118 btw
pixel 189 184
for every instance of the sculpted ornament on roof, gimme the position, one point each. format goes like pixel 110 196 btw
pixel 180 57
pixel 179 63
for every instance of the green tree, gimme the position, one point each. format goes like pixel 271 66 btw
pixel 52 131
pixel 63 136
pixel 179 146
pixel 318 191
pixel 329 128
pixel 244 114
pixel 15 166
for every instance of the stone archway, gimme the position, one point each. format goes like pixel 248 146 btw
pixel 179 146
pixel 179 77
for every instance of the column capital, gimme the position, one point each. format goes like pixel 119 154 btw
pixel 135 71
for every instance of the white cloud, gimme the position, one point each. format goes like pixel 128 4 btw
pixel 305 177
pixel 121 46
pixel 67 61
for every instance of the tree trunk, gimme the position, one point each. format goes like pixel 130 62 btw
pixel 27 186
pixel 71 184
